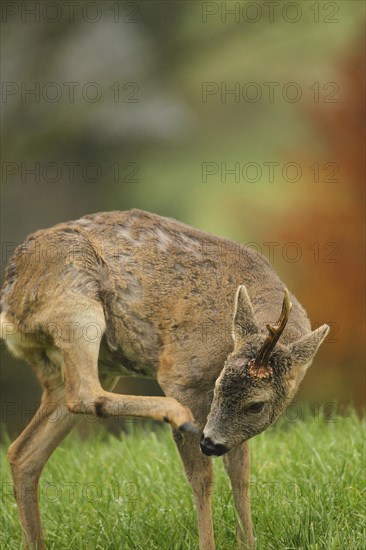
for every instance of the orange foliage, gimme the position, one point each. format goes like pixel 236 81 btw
pixel 333 212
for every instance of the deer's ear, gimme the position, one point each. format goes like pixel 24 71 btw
pixel 304 350
pixel 244 319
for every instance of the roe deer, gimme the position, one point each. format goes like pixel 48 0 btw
pixel 120 293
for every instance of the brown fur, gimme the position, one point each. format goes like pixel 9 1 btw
pixel 133 293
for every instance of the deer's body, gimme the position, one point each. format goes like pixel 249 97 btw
pixel 121 293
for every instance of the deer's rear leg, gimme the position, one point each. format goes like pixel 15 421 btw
pixel 85 395
pixel 28 455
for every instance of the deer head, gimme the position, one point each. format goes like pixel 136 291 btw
pixel 259 378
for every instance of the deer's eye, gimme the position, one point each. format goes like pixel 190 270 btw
pixel 256 407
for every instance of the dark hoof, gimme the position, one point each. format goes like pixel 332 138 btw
pixel 188 427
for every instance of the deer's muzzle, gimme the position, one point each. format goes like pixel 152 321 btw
pixel 209 448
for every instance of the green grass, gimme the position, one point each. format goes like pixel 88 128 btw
pixel 130 492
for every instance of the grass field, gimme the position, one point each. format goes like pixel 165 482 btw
pixel 308 491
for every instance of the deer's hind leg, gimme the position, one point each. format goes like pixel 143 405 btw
pixel 84 393
pixel 30 451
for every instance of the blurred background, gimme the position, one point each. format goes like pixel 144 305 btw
pixel 245 119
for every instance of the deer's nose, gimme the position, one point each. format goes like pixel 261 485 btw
pixel 209 448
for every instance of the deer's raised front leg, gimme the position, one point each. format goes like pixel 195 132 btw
pixel 237 465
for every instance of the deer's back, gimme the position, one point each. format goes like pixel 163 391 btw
pixel 166 288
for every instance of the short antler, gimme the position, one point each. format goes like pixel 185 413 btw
pixel 275 332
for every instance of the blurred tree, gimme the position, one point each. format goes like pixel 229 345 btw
pixel 335 215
